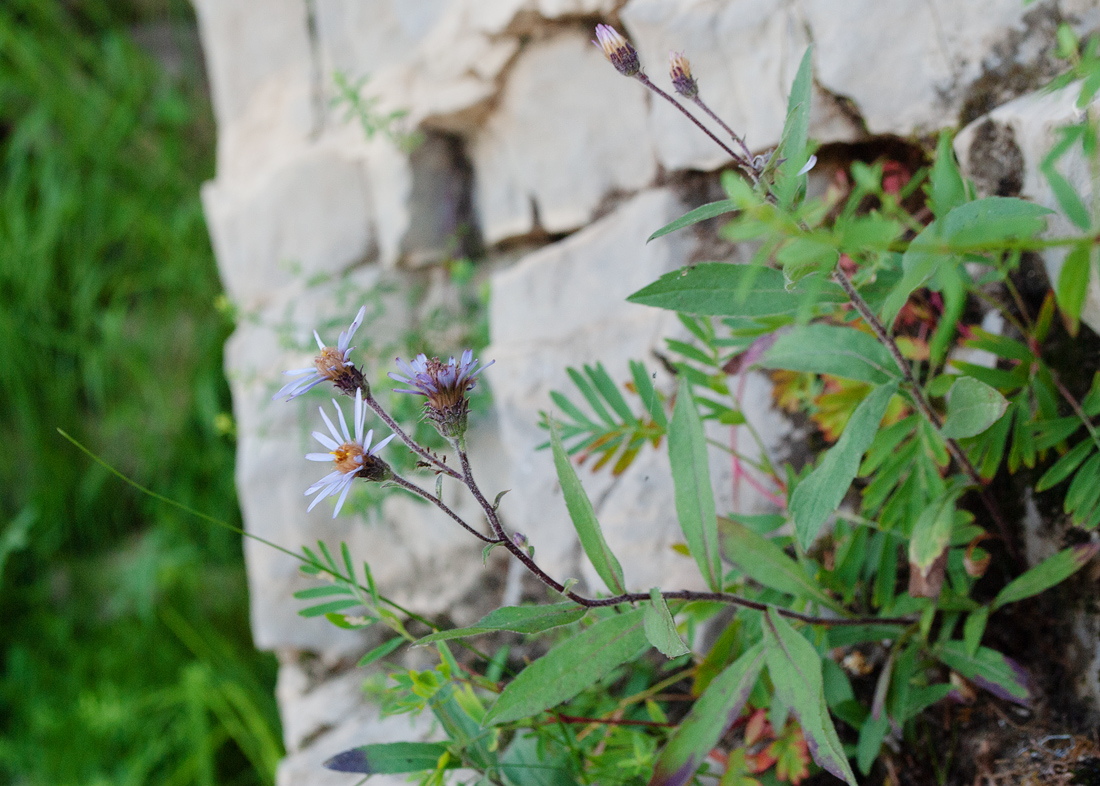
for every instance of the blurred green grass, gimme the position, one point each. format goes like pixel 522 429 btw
pixel 125 654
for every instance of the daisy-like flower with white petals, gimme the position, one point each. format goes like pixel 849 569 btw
pixel 354 457
pixel 444 385
pixel 331 364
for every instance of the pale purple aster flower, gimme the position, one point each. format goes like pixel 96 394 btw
pixel 444 385
pixel 617 50
pixel 353 455
pixel 331 364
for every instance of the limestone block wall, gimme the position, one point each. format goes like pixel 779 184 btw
pixel 555 168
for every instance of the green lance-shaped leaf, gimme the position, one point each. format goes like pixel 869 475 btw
pixel 519 619
pixel 711 210
pixel 795 669
pixel 829 349
pixel 660 628
pixel 919 262
pixel 989 669
pixel 946 189
pixel 687 453
pixel 723 290
pixel 816 497
pixel 391 757
pixel 710 718
pixel 1073 282
pixel 972 407
pixel 932 530
pixel 765 563
pixel 792 149
pixel 1053 570
pixel 584 518
pixel 570 667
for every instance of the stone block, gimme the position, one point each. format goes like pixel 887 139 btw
pixel 308 217
pixel 260 65
pixel 567 131
pixel 910 67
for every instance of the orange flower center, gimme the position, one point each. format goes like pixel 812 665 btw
pixel 330 363
pixel 348 457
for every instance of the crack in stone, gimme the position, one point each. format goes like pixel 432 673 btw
pixel 317 92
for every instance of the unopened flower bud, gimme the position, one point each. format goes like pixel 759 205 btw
pixel 618 50
pixel 680 71
pixel 519 539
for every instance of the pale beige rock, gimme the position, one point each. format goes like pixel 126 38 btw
pixel 568 130
pixel 1025 130
pixel 908 65
pixel 565 306
pixel 308 217
pixel 260 66
pixel 437 60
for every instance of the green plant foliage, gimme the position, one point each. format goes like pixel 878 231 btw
pixel 126 654
pixel 687 453
pixel 584 518
pixel 862 307
pixel 570 667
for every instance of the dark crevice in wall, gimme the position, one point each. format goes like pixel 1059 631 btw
pixel 442 220
pixel 317 91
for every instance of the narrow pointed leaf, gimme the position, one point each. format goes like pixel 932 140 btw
pixel 795 670
pixel 519 619
pixel 710 210
pixel 1053 570
pixel 660 628
pixel 570 667
pixel 390 757
pixel 584 518
pixel 946 189
pixel 1065 466
pixel 710 718
pixel 816 497
pixel 972 407
pixel 687 453
pixel 764 562
pixel 788 183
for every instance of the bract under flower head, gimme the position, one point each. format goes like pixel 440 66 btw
pixel 618 50
pixel 351 453
pixel 444 385
pixel 332 364
pixel 680 72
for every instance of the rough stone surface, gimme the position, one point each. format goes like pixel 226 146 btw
pixel 1003 151
pixel 260 66
pixel 926 57
pixel 564 112
pixel 308 217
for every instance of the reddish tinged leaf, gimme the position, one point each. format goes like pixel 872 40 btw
pixel 792 756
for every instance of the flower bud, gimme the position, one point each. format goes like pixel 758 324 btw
pixel 618 50
pixel 680 72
